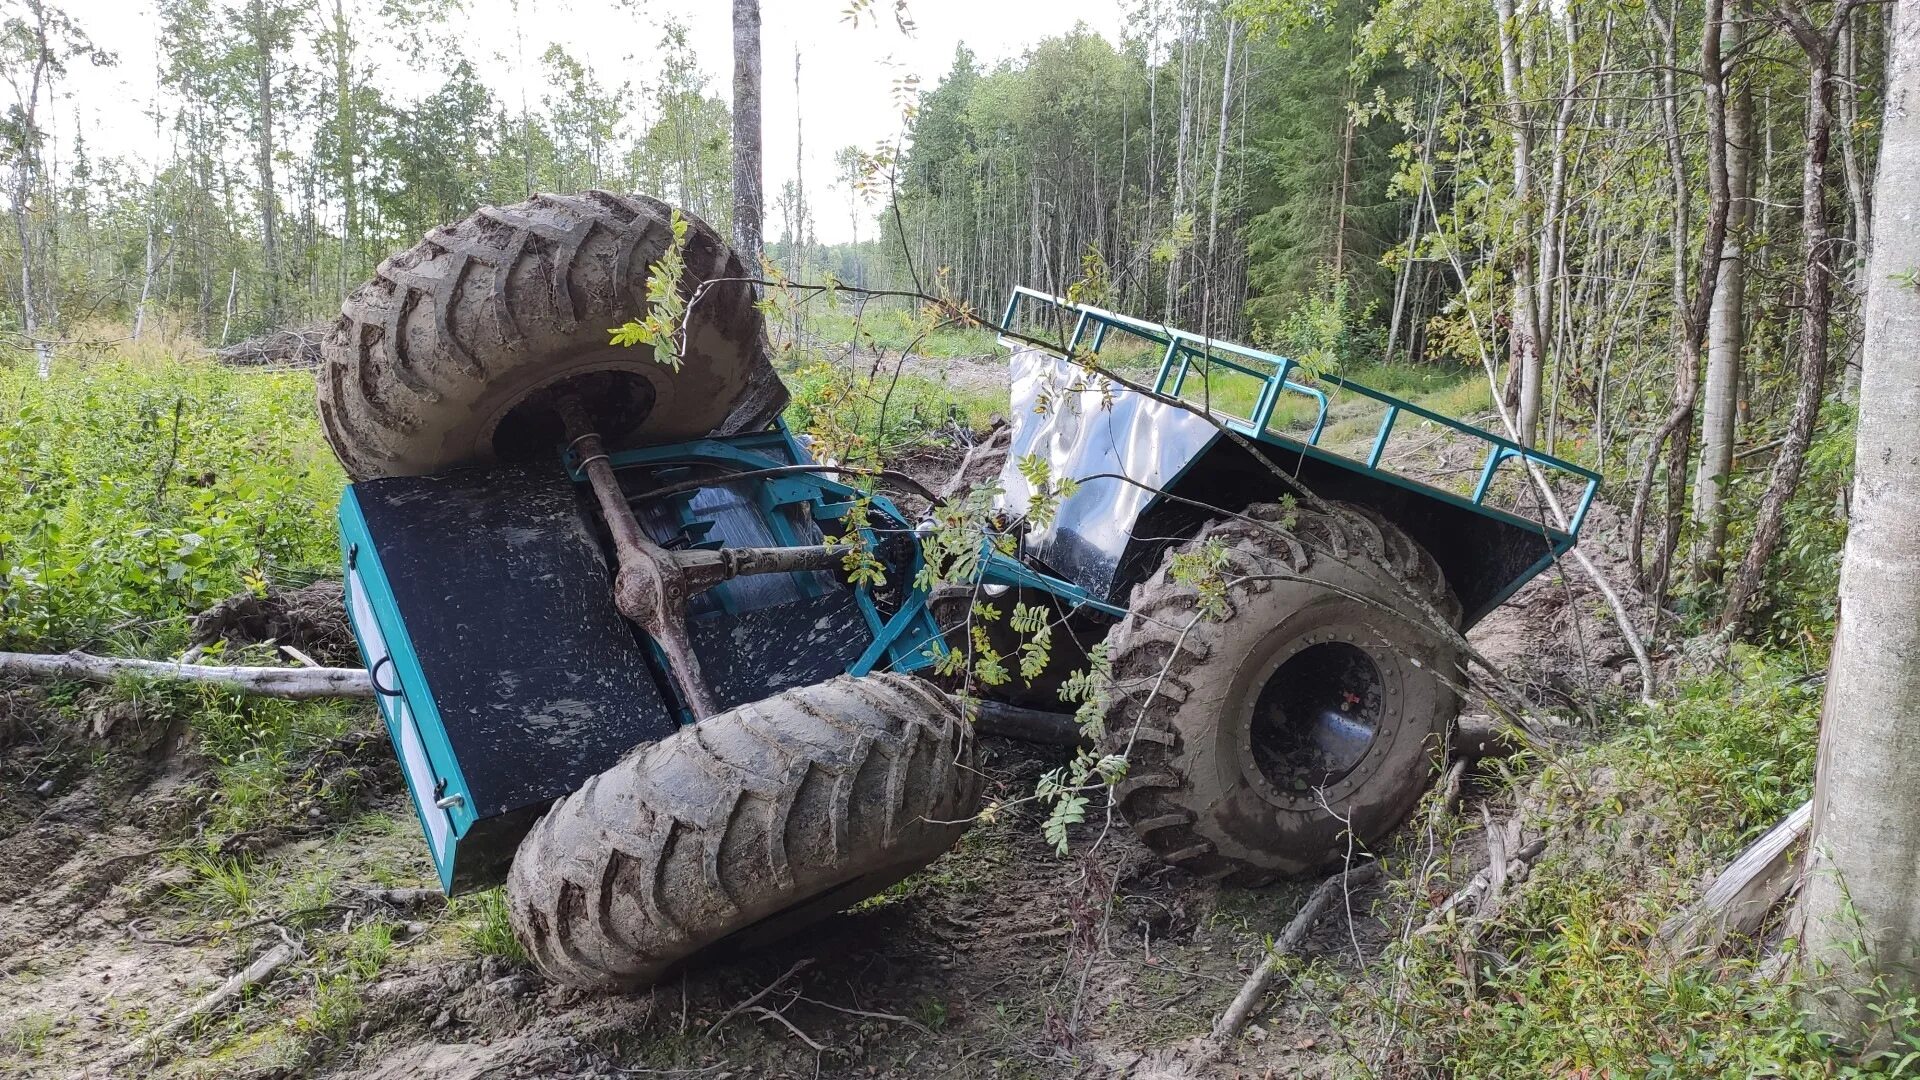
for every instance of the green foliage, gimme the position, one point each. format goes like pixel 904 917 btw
pixel 660 327
pixel 1564 982
pixel 485 925
pixel 1324 334
pixel 1064 791
pixel 861 420
pixel 1203 569
pixel 1319 173
pixel 134 493
pixel 1800 595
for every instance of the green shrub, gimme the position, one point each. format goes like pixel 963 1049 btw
pixel 856 419
pixel 133 493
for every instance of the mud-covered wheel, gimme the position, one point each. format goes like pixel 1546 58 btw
pixel 743 828
pixel 450 355
pixel 1317 704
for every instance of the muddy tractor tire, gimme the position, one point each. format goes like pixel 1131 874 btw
pixel 1304 724
pixel 742 829
pixel 449 356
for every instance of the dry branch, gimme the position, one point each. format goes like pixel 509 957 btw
pixel 1231 1022
pixel 1483 892
pixel 255 973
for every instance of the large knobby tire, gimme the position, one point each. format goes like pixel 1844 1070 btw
pixel 743 828
pixel 1308 721
pixel 443 358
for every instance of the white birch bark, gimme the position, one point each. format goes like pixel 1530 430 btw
pixel 1860 886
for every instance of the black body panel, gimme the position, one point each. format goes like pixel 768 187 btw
pixel 538 680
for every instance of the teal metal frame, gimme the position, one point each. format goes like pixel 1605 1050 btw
pixel 908 640
pixel 1183 347
pixel 441 798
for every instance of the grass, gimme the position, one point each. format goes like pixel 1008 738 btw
pixel 136 490
pixel 1564 983
pixel 484 925
pixel 895 329
pixel 29 1037
pixel 853 418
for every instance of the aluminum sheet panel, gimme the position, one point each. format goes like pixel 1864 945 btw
pixel 1098 433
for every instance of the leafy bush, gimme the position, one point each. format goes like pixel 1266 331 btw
pixel 1323 331
pixel 133 493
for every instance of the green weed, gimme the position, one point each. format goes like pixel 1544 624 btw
pixel 133 493
pixel 222 886
pixel 29 1037
pixel 856 419
pixel 483 922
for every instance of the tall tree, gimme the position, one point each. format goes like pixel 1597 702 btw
pixel 1726 335
pixel 1817 261
pixel 37 41
pixel 747 191
pixel 1862 910
pixel 266 28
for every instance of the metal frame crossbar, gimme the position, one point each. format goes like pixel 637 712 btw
pixel 1183 347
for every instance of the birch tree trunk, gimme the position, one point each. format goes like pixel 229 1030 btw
pixel 260 28
pixel 1211 270
pixel 1862 910
pixel 1523 337
pixel 1725 338
pixel 747 199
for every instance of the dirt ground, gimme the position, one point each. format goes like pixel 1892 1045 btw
pixel 1003 959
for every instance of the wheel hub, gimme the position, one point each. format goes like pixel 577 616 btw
pixel 1317 717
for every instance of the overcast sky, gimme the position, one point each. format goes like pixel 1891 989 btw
pixel 846 79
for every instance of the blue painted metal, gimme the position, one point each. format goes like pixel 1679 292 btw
pixel 999 569
pixel 1275 368
pixel 1380 440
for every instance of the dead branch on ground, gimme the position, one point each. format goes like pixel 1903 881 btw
pixel 1231 1022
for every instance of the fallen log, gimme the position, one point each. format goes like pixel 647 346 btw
pixel 1739 899
pixel 306 683
pixel 298 683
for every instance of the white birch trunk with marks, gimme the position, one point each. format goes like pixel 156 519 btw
pixel 1862 911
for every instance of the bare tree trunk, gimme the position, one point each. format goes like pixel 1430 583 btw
pixel 146 276
pixel 233 287
pixel 1725 329
pixel 260 28
pixel 1862 912
pixel 1816 288
pixel 747 200
pixel 26 176
pixel 1523 336
pixel 1219 166
pixel 1690 311
pixel 1180 172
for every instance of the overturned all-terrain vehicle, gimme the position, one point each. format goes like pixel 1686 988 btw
pixel 605 605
